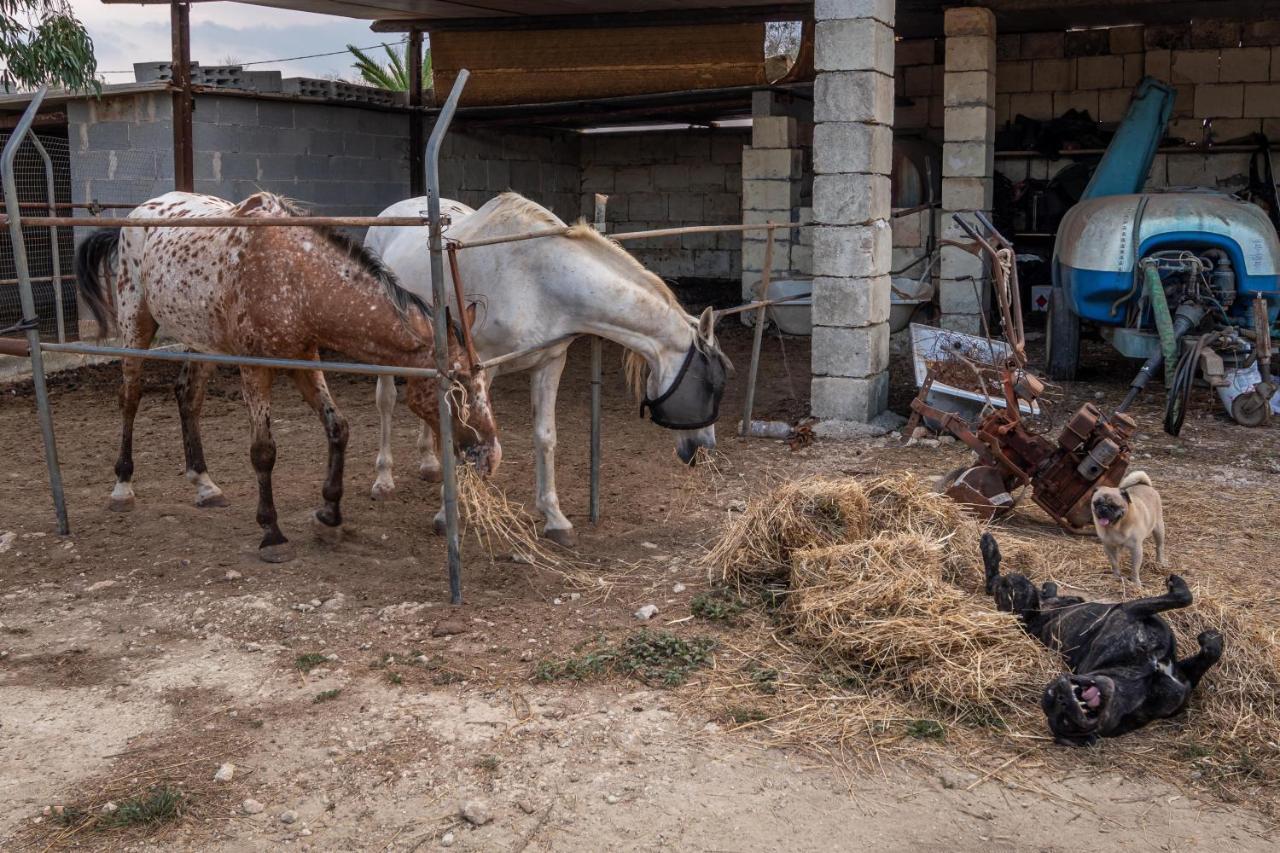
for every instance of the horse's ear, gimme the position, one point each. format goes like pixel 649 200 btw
pixel 471 313
pixel 707 325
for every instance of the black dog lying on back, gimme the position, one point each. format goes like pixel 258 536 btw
pixel 1124 672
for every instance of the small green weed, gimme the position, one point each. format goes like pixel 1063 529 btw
pixel 717 605
pixel 654 657
pixel 765 679
pixel 160 804
pixel 741 715
pixel 395 678
pixel 327 695
pixel 488 763
pixel 926 730
pixel 309 661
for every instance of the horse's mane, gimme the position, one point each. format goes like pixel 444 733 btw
pixel 401 299
pixel 511 213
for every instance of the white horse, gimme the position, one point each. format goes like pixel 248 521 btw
pixel 536 291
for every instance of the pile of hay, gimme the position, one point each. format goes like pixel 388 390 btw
pixel 884 581
pixel 824 512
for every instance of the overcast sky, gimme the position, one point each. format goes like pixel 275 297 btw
pixel 123 35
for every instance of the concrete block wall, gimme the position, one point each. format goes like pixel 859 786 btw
pixel 477 163
pixel 1225 71
pixel 669 179
pixel 121 147
pixel 335 160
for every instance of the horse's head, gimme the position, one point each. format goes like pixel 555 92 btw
pixel 475 429
pixel 683 393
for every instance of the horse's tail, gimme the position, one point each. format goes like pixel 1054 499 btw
pixel 98 250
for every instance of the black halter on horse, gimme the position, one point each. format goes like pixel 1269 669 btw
pixel 693 400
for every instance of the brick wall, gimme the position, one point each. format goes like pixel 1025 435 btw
pixel 660 180
pixel 1226 71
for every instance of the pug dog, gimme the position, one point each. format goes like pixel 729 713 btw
pixel 1125 516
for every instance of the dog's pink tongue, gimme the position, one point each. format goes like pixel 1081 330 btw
pixel 1103 522
pixel 1091 697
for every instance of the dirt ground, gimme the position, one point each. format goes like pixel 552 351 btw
pixel 154 646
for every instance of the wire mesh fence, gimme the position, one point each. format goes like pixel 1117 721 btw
pixel 49 250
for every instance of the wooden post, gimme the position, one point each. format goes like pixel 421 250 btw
pixel 417 165
pixel 183 146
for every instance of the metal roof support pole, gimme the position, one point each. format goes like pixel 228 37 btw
pixel 29 308
pixel 184 175
pixel 440 298
pixel 417 166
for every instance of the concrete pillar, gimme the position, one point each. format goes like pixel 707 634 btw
pixel 852 240
pixel 968 159
pixel 771 182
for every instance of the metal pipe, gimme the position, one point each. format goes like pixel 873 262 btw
pixel 628 235
pixel 762 291
pixel 597 373
pixel 448 464
pixel 28 302
pixel 54 254
pixel 226 221
pixel 521 353
pixel 250 360
pixel 597 383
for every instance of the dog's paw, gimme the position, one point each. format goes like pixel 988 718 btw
pixel 1210 641
pixel 1178 587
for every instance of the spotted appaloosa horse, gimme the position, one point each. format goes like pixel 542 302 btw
pixel 275 291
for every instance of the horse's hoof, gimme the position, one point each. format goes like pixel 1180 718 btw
pixel 329 534
pixel 121 504
pixel 431 474
pixel 212 501
pixel 382 491
pixel 439 526
pixel 281 553
pixel 565 537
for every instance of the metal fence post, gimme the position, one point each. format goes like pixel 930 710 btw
pixel 448 466
pixel 762 295
pixel 29 308
pixel 597 376
pixel 54 253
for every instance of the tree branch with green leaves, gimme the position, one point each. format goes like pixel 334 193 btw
pixel 394 75
pixel 43 43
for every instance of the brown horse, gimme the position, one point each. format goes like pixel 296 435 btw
pixel 280 292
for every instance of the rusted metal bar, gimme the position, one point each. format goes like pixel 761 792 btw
pixel 762 292
pixel 76 205
pixel 757 304
pixel 463 321
pixel 224 221
pixel 417 154
pixel 183 105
